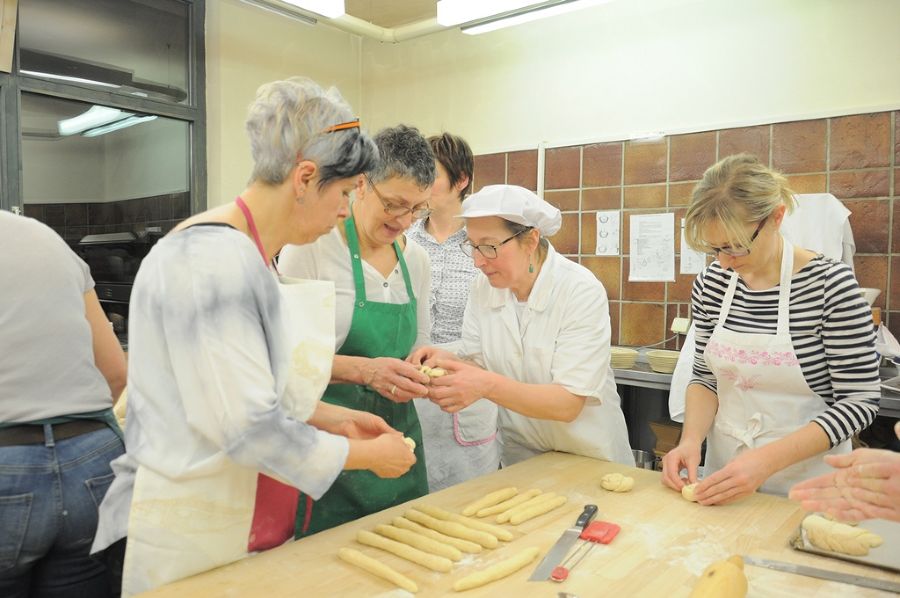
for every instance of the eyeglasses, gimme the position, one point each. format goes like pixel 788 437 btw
pixel 391 209
pixel 488 251
pixel 740 251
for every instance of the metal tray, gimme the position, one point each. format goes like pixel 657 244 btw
pixel 886 556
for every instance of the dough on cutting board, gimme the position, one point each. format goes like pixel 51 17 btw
pixel 537 510
pixel 429 561
pixel 419 541
pixel 489 500
pixel 463 545
pixel 508 504
pixel 452 528
pixel 410 443
pixel 497 571
pixel 439 513
pixel 687 492
pixel 839 537
pixel 505 516
pixel 616 482
pixel 375 567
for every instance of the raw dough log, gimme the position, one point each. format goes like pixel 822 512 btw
pixel 450 528
pixel 538 509
pixel 616 482
pixel 687 492
pixel 489 500
pixel 463 545
pixel 505 516
pixel 507 504
pixel 410 443
pixel 429 561
pixel 439 513
pixel 839 537
pixel 497 571
pixel 419 541
pixel 366 563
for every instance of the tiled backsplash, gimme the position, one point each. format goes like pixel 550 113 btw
pixel 75 220
pixel 856 158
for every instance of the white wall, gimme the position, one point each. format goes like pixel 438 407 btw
pixel 633 66
pixel 246 47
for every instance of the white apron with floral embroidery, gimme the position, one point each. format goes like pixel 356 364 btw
pixel 762 393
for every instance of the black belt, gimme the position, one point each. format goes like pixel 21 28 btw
pixel 34 433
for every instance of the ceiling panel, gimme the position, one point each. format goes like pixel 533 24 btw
pixel 391 13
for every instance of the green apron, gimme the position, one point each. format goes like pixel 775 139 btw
pixel 376 330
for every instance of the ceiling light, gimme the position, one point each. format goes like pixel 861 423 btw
pixel 454 12
pixel 525 15
pixel 331 9
pixel 67 78
pixel 94 117
pixel 119 124
pixel 282 9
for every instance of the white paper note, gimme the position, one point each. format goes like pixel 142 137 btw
pixel 692 262
pixel 608 232
pixel 652 248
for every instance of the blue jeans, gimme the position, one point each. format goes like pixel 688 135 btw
pixel 49 496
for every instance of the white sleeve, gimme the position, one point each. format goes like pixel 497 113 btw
pixel 215 315
pixel 469 344
pixel 422 288
pixel 299 261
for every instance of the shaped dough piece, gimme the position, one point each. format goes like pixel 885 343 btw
pixel 429 561
pixel 687 492
pixel 489 500
pixel 463 545
pixel 375 567
pixel 505 516
pixel 508 504
pixel 537 510
pixel 450 528
pixel 410 443
pixel 839 537
pixel 497 571
pixel 419 541
pixel 616 482
pixel 439 513
pixel 432 372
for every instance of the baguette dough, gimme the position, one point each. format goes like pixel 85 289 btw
pixel 439 513
pixel 375 567
pixel 839 537
pixel 429 561
pixel 463 545
pixel 489 500
pixel 452 528
pixel 505 516
pixel 419 541
pixel 538 509
pixel 616 482
pixel 410 443
pixel 507 504
pixel 687 492
pixel 497 571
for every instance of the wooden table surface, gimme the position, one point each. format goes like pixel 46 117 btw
pixel 665 543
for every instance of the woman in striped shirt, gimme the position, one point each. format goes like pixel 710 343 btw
pixel 785 367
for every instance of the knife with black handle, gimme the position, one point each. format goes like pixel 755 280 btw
pixel 561 548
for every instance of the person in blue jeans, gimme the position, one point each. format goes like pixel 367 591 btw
pixel 61 368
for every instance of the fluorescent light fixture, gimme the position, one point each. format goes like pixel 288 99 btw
pixel 94 117
pixel 67 78
pixel 454 12
pixel 542 10
pixel 654 136
pixel 282 9
pixel 331 9
pixel 119 124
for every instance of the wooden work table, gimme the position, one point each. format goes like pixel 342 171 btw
pixel 665 543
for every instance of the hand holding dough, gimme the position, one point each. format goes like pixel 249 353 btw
pixel 687 492
pixel 616 482
pixel 438 513
pixel 497 571
pixel 366 563
pixel 432 372
pixel 410 443
pixel 839 537
pixel 489 500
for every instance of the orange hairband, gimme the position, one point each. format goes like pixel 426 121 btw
pixel 350 124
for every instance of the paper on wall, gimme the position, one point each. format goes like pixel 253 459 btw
pixel 652 248
pixel 692 262
pixel 608 232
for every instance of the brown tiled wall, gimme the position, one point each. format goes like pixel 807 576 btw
pixel 856 158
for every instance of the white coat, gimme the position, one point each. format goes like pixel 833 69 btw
pixel 563 338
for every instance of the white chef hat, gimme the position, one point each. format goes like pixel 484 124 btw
pixel 513 203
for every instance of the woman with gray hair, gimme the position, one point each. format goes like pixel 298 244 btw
pixel 223 400
pixel 383 284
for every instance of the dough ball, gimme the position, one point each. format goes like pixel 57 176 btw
pixel 616 482
pixel 437 372
pixel 410 443
pixel 688 492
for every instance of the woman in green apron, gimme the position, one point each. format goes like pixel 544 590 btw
pixel 382 284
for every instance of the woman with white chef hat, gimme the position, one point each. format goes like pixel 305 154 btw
pixel 779 330
pixel 536 336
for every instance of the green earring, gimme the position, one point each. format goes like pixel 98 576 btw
pixel 530 268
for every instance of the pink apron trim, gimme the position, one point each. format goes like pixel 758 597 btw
pixel 458 436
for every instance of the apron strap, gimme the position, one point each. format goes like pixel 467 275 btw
pixel 784 293
pixel 254 232
pixel 356 261
pixel 726 301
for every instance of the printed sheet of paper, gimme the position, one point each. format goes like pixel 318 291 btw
pixel 692 262
pixel 652 248
pixel 608 232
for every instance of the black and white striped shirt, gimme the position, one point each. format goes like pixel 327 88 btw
pixel 830 326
